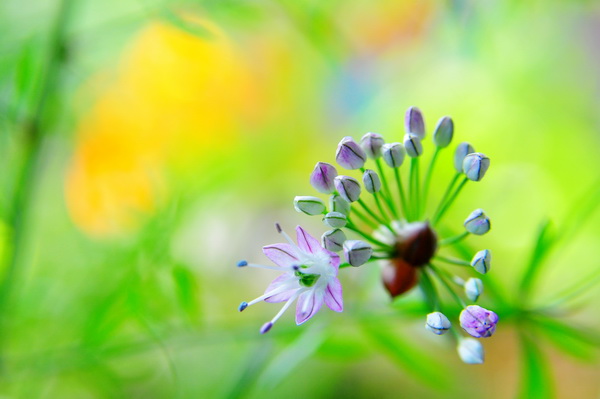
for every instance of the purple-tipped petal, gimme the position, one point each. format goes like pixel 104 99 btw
pixel 349 154
pixel 333 296
pixel 478 322
pixel 283 255
pixel 322 177
pixel 308 243
pixel 334 259
pixel 284 279
pixel 414 122
pixel 308 305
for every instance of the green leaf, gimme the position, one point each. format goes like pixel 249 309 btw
pixel 583 344
pixel 416 361
pixel 544 241
pixel 536 376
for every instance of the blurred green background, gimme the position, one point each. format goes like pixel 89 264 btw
pixel 147 146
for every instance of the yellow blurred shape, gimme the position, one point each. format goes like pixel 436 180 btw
pixel 177 102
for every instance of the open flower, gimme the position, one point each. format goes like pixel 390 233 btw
pixel 310 277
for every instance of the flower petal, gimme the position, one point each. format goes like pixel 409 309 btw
pixel 283 255
pixel 284 279
pixel 333 295
pixel 308 243
pixel 335 260
pixel 308 305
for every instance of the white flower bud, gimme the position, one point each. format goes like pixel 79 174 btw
pixel 437 323
pixel 371 181
pixel 357 252
pixel 477 222
pixel 462 150
pixel 309 205
pixel 475 165
pixel 473 288
pixel 393 154
pixel 470 351
pixel 482 261
pixel 338 204
pixel 414 122
pixel 412 145
pixel 348 187
pixel 335 219
pixel 333 240
pixel 444 130
pixel 371 144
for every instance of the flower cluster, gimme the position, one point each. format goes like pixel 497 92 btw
pixel 384 212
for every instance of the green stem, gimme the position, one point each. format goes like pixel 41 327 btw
pixel 445 283
pixel 453 261
pixel 384 215
pixel 385 190
pixel 447 192
pixel 373 215
pixel 403 201
pixel 428 177
pixel 414 188
pixel 27 179
pixel 449 202
pixel 452 240
pixel 364 218
pixel 367 237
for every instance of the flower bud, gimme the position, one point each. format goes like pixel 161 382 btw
pixel 475 165
pixel 309 205
pixel 477 222
pixel 413 146
pixel 335 219
pixel 393 154
pixel 338 204
pixel 349 154
pixel 437 323
pixel 482 261
pixel 333 240
pixel 414 123
pixel 478 322
pixel 462 150
pixel 371 144
pixel 322 177
pixel 371 181
pixel 357 252
pixel 348 187
pixel 473 288
pixel 470 351
pixel 444 130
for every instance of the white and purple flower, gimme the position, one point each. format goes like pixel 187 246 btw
pixel 310 277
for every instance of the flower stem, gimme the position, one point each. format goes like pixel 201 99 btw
pixel 351 226
pixel 428 177
pixel 446 206
pixel 364 218
pixel 453 261
pixel 385 190
pixel 373 215
pixel 452 240
pixel 414 187
pixel 403 201
pixel 445 283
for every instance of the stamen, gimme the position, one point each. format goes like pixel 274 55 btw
pixel 266 327
pixel 278 268
pixel 276 291
pixel 242 263
pixel 242 306
pixel 287 305
pixel 287 237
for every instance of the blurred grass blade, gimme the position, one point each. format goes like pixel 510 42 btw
pixel 544 241
pixel 583 343
pixel 294 354
pixel 249 372
pixel 405 354
pixel 187 291
pixel 536 376
pixel 185 25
